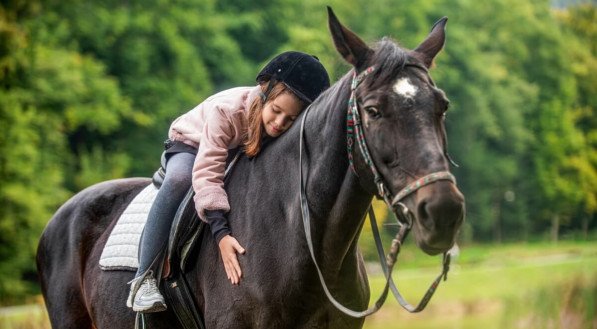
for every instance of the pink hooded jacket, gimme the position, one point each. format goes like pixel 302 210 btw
pixel 215 126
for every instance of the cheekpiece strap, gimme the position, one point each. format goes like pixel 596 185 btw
pixel 356 80
pixel 352 117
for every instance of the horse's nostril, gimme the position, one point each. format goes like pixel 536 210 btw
pixel 445 213
pixel 424 215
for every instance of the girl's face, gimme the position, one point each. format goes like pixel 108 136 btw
pixel 279 114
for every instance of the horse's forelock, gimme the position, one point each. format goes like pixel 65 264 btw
pixel 389 59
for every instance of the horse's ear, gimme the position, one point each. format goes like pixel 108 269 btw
pixel 349 45
pixel 434 42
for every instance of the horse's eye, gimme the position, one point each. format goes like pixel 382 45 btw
pixel 372 112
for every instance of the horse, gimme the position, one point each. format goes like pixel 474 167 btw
pixel 403 125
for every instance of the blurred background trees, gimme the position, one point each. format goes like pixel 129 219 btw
pixel 89 88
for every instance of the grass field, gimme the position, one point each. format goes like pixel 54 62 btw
pixel 503 286
pixel 509 286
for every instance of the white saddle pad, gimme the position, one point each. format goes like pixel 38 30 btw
pixel 121 250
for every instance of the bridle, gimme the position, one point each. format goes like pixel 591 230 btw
pixel 394 202
pixel 354 129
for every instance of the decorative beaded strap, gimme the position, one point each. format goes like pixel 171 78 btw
pixel 354 128
pixel 425 180
pixel 353 121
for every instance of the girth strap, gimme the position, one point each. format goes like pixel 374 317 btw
pixel 182 302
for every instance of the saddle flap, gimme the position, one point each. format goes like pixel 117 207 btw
pixel 184 232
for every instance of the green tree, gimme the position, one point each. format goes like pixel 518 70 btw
pixel 167 57
pixel 582 51
pixel 88 90
pixel 558 144
pixel 47 96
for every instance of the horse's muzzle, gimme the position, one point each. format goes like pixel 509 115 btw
pixel 439 214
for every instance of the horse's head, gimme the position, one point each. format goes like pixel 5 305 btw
pixel 402 119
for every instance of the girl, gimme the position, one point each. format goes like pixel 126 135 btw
pixel 196 154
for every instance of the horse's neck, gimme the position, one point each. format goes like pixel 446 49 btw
pixel 337 201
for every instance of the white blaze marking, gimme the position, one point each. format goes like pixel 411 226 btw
pixel 404 88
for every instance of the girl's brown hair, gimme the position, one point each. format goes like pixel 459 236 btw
pixel 255 131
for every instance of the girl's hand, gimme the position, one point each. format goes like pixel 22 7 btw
pixel 229 246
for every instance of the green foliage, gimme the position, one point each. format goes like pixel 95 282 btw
pixel 88 90
pixel 579 23
pixel 29 186
pixel 54 103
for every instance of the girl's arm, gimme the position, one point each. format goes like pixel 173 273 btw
pixel 219 133
pixel 229 246
pixel 211 201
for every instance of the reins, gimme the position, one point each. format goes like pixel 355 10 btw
pixel 403 215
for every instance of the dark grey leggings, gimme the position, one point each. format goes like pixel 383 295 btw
pixel 155 234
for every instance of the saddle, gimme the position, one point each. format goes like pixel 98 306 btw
pixel 184 235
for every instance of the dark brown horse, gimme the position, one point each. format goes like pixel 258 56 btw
pixel 402 112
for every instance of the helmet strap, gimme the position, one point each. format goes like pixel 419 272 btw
pixel 270 85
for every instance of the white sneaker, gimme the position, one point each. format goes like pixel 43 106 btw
pixel 146 298
pixel 135 283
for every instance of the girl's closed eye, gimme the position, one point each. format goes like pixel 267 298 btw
pixel 277 116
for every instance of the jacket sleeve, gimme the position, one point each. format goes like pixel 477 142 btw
pixel 210 163
pixel 218 223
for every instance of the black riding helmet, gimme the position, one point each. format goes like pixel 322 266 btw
pixel 300 72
